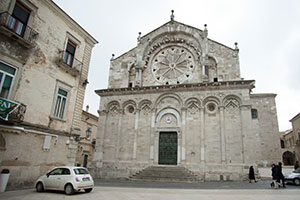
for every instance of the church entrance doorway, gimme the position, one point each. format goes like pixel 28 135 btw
pixel 167 148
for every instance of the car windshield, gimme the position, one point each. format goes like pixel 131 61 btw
pixel 81 171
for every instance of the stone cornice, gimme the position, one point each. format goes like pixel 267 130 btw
pixel 263 95
pixel 69 20
pixel 238 84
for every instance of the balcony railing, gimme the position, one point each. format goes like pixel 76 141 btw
pixel 14 27
pixel 69 63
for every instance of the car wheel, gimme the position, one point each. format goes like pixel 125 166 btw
pixel 296 181
pixel 69 189
pixel 39 187
pixel 88 190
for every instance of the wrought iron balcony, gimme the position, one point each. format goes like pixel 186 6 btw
pixel 15 29
pixel 69 63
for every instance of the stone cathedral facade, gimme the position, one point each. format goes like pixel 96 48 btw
pixel 177 99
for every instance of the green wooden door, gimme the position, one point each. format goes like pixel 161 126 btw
pixel 167 148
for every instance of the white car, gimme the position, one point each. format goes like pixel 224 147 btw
pixel 293 177
pixel 68 179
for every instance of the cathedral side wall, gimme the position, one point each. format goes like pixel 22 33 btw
pixel 208 137
pixel 267 126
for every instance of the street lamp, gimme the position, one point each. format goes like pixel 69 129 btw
pixel 88 134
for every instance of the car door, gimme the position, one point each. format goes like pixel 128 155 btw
pixel 53 179
pixel 65 177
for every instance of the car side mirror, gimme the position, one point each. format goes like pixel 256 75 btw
pixel 48 174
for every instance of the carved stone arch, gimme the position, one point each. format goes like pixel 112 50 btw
pixel 168 111
pixel 145 106
pixel 129 107
pixel 168 95
pixel 193 105
pixel 211 99
pixel 113 107
pixel 211 104
pixel 2 143
pixel 165 39
pixel 231 102
pixel 213 59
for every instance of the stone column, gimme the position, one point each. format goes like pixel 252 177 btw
pixel 202 138
pixel 136 126
pixel 246 127
pixel 183 133
pixel 152 135
pixel 180 146
pixel 98 156
pixel 222 133
pixel 117 149
pixel 155 147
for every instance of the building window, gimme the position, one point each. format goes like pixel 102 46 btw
pixel 254 113
pixel 60 103
pixel 19 18
pixel 69 53
pixel 206 70
pixel 7 75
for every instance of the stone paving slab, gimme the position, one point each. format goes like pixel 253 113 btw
pixel 118 193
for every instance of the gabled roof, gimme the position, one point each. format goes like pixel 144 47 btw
pixel 172 22
pixel 294 118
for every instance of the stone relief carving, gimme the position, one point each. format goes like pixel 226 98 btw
pixel 171 40
pixel 173 65
pixel 114 109
pixel 193 108
pixel 232 105
pixel 146 109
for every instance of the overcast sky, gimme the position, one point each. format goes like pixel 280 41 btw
pixel 267 32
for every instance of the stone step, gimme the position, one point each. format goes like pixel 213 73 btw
pixel 165 173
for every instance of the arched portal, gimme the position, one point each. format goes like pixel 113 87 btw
pixel 168 137
pixel 288 158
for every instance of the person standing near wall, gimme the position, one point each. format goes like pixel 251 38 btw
pixel 251 174
pixel 274 170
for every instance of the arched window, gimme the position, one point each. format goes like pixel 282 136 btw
pixel 282 144
pixel 254 114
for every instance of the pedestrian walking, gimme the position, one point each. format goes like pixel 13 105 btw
pixel 280 174
pixel 274 170
pixel 251 174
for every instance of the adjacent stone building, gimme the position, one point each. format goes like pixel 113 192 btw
pixel 290 142
pixel 178 99
pixel 44 62
pixel 87 140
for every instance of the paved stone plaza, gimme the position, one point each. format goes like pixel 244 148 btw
pixel 133 193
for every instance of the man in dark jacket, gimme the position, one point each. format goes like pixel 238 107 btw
pixel 280 174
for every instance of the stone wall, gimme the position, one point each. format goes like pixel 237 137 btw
pixel 226 60
pixel 39 73
pixel 215 131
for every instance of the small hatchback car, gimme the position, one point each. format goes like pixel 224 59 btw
pixel 66 178
pixel 293 177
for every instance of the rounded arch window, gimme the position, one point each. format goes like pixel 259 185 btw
pixel 130 109
pixel 211 107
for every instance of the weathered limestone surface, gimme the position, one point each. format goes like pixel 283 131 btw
pixel 39 73
pixel 178 80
